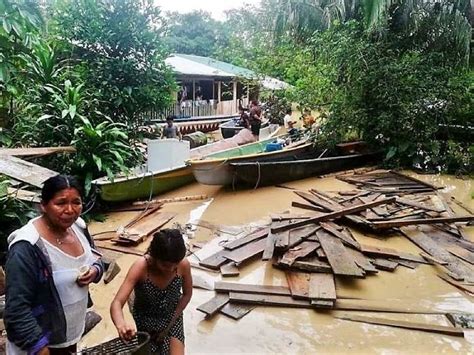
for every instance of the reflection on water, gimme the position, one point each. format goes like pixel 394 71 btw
pixel 284 330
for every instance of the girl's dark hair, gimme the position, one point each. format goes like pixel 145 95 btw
pixel 58 183
pixel 167 245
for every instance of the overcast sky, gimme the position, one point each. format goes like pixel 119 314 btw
pixel 215 7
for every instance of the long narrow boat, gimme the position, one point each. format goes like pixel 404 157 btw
pixel 274 171
pixel 216 169
pixel 142 184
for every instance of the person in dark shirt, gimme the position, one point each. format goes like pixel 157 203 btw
pixel 171 130
pixel 255 118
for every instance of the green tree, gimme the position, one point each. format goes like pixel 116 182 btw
pixel 195 33
pixel 117 49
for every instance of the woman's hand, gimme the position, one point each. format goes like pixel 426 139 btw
pixel 126 332
pixel 89 277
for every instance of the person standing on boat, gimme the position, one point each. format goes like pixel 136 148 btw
pixel 50 265
pixel 157 280
pixel 255 118
pixel 171 130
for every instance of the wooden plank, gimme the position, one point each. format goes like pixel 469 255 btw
pixel 333 215
pixel 409 222
pixel 146 226
pixel 24 195
pixel 269 300
pixel 369 306
pixel 216 260
pixel 246 252
pixel 344 238
pixel 229 270
pixel 322 287
pixel 202 283
pixel 406 202
pixel 321 254
pixel 24 171
pixel 213 306
pixel 305 206
pixel 363 262
pixel 415 180
pixel 406 325
pixel 460 285
pixel 282 240
pixel 298 235
pixel 406 263
pixel 222 286
pixel 314 200
pixel 298 252
pixel 463 254
pixel 269 246
pixel 42 151
pixel 312 265
pixel 388 252
pixel 236 311
pixel 258 234
pixel 428 245
pixel 433 259
pixel 386 265
pixel 340 260
pixel 298 283
pixel 121 249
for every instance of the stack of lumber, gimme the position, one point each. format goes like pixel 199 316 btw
pixel 316 248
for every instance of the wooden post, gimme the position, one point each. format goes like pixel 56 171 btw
pixel 219 91
pixel 194 96
pixel 234 96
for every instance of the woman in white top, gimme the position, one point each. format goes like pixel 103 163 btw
pixel 49 267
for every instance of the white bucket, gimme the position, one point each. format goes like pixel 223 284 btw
pixel 166 153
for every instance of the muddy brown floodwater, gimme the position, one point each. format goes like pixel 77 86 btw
pixel 285 330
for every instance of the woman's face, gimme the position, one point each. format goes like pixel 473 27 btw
pixel 64 208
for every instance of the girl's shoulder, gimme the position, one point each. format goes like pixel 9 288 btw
pixel 139 268
pixel 184 267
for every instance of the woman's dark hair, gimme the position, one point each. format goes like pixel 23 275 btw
pixel 58 183
pixel 167 245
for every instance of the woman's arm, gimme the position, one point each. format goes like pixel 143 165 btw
pixel 21 291
pixel 126 331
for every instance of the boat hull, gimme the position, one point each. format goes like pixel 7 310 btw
pixel 221 172
pixel 276 172
pixel 142 185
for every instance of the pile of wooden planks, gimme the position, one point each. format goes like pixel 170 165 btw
pixel 316 248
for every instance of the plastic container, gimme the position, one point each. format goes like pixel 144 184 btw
pixel 272 147
pixel 166 154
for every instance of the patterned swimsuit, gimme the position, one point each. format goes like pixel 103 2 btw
pixel 153 309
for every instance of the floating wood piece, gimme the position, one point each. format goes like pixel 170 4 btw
pixel 121 249
pixel 461 320
pixel 269 300
pixel 321 254
pixel 146 226
pixel 406 263
pixel 246 252
pixel 314 200
pixel 282 240
pixel 383 264
pixel 340 260
pixel 236 311
pixel 463 254
pixel 407 202
pixel 408 222
pixel 213 306
pixel 111 272
pixel 432 248
pixel 269 246
pixel 298 235
pixel 431 186
pixel 360 194
pixel 388 252
pixel 298 252
pixel 459 285
pixel 363 262
pixel 42 151
pixel 432 328
pixel 202 283
pixel 306 206
pixel 432 259
pixel 333 215
pixel 255 235
pixel 221 286
pixel 370 306
pixel 322 287
pixel 298 283
pixel 24 171
pixel 216 260
pixel 462 205
pixel 229 269
pixel 171 200
pixel 312 265
pixel 344 238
